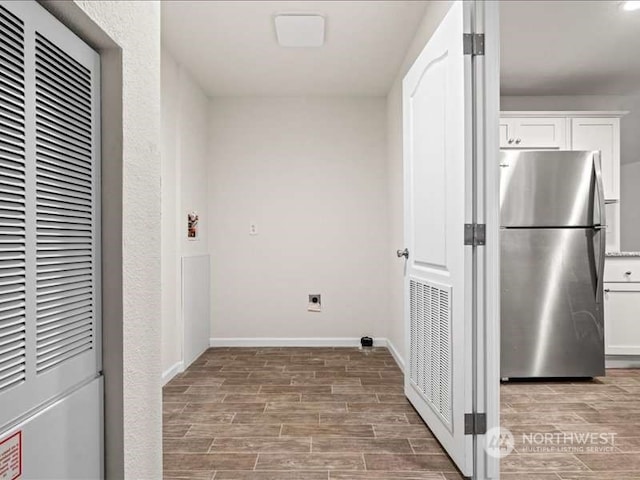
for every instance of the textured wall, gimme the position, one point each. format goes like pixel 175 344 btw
pixel 433 15
pixel 311 173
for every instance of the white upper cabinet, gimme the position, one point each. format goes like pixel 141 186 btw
pixel 601 134
pixel 533 133
pixel 537 130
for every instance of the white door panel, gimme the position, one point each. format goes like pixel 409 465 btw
pixel 437 150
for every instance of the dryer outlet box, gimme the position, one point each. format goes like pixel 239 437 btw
pixel 315 303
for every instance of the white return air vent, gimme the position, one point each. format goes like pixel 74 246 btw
pixel 64 206
pixel 12 204
pixel 430 349
pixel 49 209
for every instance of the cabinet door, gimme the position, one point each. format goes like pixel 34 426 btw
pixel 507 133
pixel 540 133
pixel 601 134
pixel 613 226
pixel 622 318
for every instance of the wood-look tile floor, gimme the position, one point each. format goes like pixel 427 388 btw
pixel 296 414
pixel 605 405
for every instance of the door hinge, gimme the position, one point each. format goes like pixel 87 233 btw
pixel 475 423
pixel 475 234
pixel 473 43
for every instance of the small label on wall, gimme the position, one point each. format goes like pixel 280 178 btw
pixel 192 225
pixel 11 457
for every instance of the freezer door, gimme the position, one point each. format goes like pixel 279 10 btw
pixel 549 189
pixel 552 321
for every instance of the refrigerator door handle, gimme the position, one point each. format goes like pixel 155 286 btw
pixel 602 229
pixel 599 189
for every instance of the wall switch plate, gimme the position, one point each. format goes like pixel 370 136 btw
pixel 253 229
pixel 315 303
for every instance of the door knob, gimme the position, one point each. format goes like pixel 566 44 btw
pixel 628 273
pixel 518 141
pixel 403 253
pixel 510 141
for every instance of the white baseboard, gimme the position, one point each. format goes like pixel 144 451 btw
pixel 292 342
pixel 305 342
pixel 172 371
pixel 622 361
pixel 396 356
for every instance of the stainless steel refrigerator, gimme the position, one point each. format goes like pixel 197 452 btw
pixel 552 245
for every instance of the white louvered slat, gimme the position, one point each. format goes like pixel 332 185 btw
pixel 12 204
pixel 430 345
pixel 64 207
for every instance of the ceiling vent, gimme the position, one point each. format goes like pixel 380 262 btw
pixel 300 30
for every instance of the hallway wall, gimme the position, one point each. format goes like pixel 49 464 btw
pixel 310 173
pixel 185 125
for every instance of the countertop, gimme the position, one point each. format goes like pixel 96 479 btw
pixel 623 254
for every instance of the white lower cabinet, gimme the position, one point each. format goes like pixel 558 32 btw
pixel 622 306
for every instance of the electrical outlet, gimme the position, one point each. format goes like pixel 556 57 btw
pixel 315 303
pixel 253 229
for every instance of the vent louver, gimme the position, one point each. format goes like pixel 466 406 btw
pixel 12 203
pixel 430 345
pixel 64 207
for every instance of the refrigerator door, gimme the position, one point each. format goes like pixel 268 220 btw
pixel 549 189
pixel 551 306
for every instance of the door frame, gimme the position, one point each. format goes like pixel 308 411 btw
pixel 486 87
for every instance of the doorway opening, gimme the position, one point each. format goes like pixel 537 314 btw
pixel 291 160
pixel 569 84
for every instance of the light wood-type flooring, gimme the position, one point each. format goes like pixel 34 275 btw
pixel 296 414
pixel 340 413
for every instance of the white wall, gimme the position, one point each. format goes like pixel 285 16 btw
pixel 171 333
pixel 629 147
pixel 185 111
pixel 433 15
pixel 630 207
pixel 311 174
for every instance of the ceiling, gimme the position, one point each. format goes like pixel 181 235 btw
pixel 569 48
pixel 230 47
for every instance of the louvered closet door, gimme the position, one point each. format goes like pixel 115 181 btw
pixel 49 211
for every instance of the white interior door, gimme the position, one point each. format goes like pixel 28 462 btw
pixel 438 149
